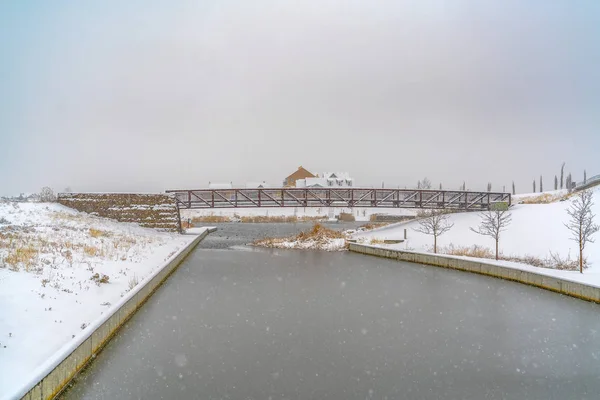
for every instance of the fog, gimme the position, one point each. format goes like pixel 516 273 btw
pixel 152 95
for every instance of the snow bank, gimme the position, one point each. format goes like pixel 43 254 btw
pixel 53 262
pixel 536 229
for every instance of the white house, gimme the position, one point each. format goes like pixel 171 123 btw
pixel 327 180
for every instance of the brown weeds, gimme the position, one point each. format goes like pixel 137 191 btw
pixel 554 261
pixel 96 233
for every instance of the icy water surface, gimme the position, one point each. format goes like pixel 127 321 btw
pixel 249 323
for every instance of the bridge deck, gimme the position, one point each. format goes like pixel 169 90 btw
pixel 337 197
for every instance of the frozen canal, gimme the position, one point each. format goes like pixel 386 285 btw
pixel 272 324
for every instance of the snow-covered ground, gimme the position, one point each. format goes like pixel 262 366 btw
pixel 536 230
pixel 361 214
pixel 59 271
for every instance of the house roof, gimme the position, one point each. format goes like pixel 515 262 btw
pixel 336 175
pixel 300 173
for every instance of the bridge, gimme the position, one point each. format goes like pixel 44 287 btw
pixel 337 197
pixel 588 183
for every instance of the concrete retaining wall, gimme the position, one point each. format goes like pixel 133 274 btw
pixel 560 285
pixel 54 375
pixel 158 211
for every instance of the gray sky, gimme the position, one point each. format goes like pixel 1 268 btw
pixel 156 94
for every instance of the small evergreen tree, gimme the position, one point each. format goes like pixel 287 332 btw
pixel 533 186
pixel 513 185
pixel 555 182
pixel 541 185
pixel 584 177
pixel 562 174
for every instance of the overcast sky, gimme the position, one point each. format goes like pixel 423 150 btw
pixel 147 95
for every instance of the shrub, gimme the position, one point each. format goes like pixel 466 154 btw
pixel 99 279
pixel 47 195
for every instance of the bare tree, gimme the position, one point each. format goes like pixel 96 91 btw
pixel 541 185
pixel 513 185
pixel 419 185
pixel 435 223
pixel 533 186
pixel 464 186
pixel 489 186
pixel 440 185
pixel 494 222
pixel 569 182
pixel 47 195
pixel 555 182
pixel 426 183
pixel 581 224
pixel 562 174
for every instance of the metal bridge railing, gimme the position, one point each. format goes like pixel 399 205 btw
pixel 588 182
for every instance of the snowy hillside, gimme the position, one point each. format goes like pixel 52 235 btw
pixel 536 230
pixel 60 270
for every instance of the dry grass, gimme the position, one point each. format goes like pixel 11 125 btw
pixel 317 234
pixel 473 251
pixel 544 198
pixel 25 256
pixel 376 241
pixel 369 226
pixel 96 233
pixel 264 219
pixel 256 219
pixel 319 231
pixel 61 215
pixel 133 282
pixel 210 218
pixel 346 217
pixel 554 261
pixel 92 251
